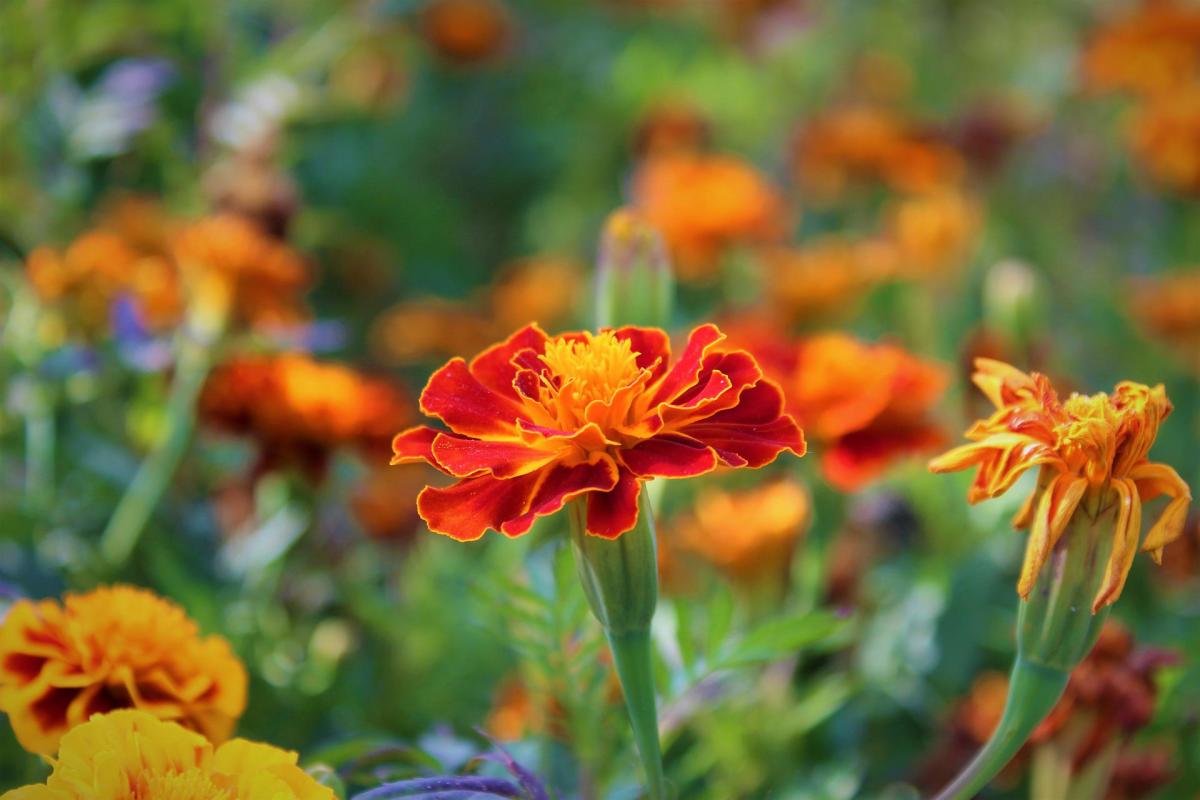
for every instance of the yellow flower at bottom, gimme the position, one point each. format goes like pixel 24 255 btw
pixel 132 755
pixel 1092 451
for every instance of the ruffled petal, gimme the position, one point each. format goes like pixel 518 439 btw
pixel 461 457
pixel 686 370
pixel 456 397
pixel 669 456
pixel 494 367
pixel 611 513
pixel 652 346
pixel 466 510
pixel 1125 542
pixel 559 484
pixel 752 433
pixel 414 444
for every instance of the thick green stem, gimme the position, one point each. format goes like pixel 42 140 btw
pixel 142 496
pixel 1055 630
pixel 1033 691
pixel 620 580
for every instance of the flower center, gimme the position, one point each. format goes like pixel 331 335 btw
pixel 589 369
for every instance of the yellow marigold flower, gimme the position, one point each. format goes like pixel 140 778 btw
pixel 749 535
pixel 113 648
pixel 133 755
pixel 1092 453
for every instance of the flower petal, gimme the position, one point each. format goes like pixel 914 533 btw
pixel 1155 479
pixel 752 433
pixel 1057 503
pixel 414 444
pixel 611 513
pixel 856 459
pixel 460 456
pixel 559 484
pixel 467 509
pixel 1125 542
pixel 652 346
pixel 456 397
pixel 494 367
pixel 684 372
pixel 669 456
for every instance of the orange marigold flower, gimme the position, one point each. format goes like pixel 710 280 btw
pixel 1151 50
pixel 866 142
pixel 748 535
pixel 127 755
pixel 236 267
pixel 932 231
pixel 385 503
pixel 867 404
pixel 538 420
pixel 1163 135
pixel 1092 453
pixel 111 648
pixel 1168 306
pixel 466 31
pixel 300 409
pixel 827 277
pixel 543 288
pixel 429 328
pixel 703 204
pixel 671 127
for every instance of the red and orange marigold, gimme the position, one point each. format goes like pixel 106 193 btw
pixel 538 420
pixel 1092 452
pixel 112 648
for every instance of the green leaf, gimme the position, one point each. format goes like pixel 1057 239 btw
pixel 780 638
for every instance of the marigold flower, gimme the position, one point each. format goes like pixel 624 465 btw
pixel 466 31
pixel 671 127
pixel 703 204
pixel 300 409
pixel 1092 453
pixel 1163 134
pixel 429 328
pixel 123 755
pixel 236 267
pixel 544 288
pixel 1151 50
pixel 865 142
pixel 932 230
pixel 867 404
pixel 826 277
pixel 748 535
pixel 1168 306
pixel 538 420
pixel 113 648
pixel 385 503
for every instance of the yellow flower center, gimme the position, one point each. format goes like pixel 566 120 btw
pixel 590 369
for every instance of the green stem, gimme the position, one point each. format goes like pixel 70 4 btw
pixel 133 512
pixel 39 448
pixel 1033 691
pixel 620 580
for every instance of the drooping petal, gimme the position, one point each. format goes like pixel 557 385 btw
pixel 1152 480
pixel 754 432
pixel 1057 503
pixel 466 510
pixel 1125 543
pixel 460 456
pixel 494 367
pixel 684 372
pixel 669 456
pixel 557 485
pixel 611 513
pixel 456 397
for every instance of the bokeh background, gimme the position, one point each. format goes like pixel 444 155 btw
pixel 954 178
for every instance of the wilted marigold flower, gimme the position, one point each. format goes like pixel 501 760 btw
pixel 1091 451
pixel 300 409
pixel 703 204
pixel 1152 50
pixel 112 648
pixel 868 405
pixel 747 535
pixel 133 755
pixel 538 420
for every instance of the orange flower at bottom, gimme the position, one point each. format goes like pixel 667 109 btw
pixel 867 404
pixel 113 648
pixel 538 420
pixel 132 755
pixel 1090 447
